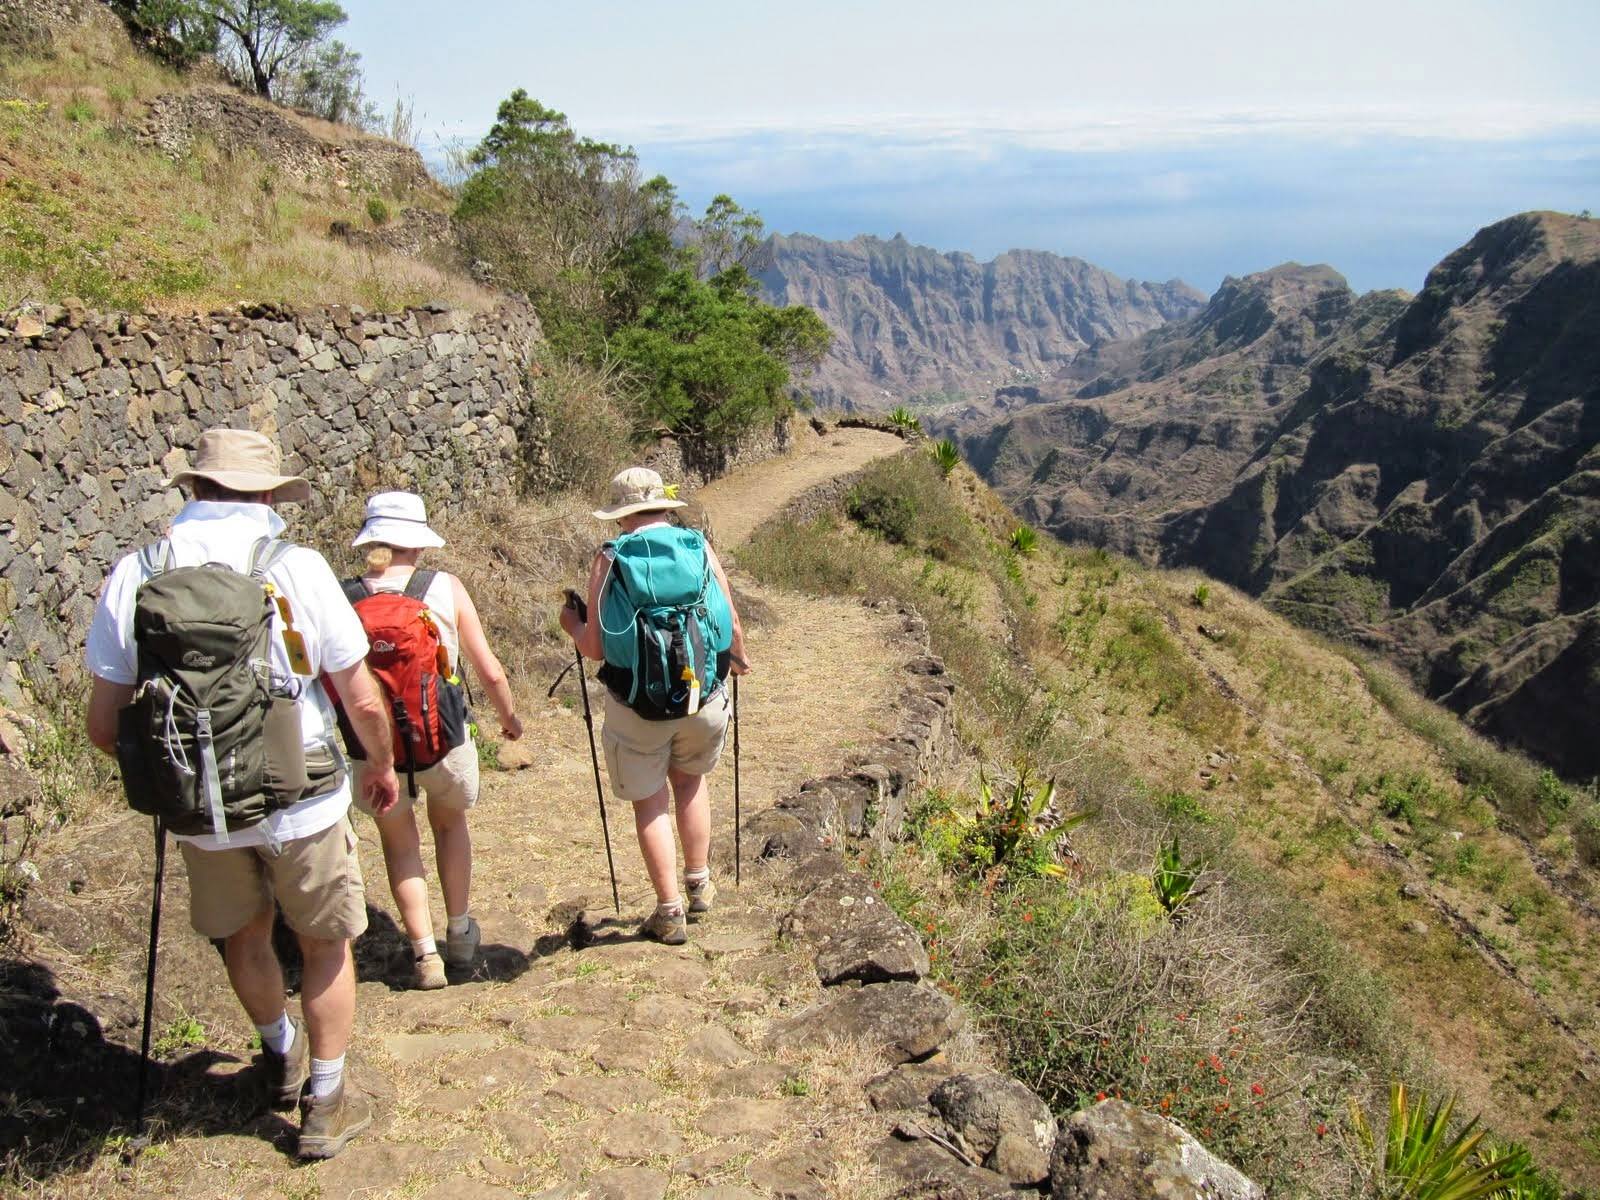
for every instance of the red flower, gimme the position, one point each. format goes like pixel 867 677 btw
pixel 1223 1080
pixel 1144 1058
pixel 1027 916
pixel 1257 1090
pixel 1216 1063
pixel 1099 1095
pixel 1322 1129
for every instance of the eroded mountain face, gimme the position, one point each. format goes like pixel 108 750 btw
pixel 912 325
pixel 1419 474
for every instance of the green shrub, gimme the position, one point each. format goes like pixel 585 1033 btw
pixel 947 455
pixel 78 110
pixel 1174 879
pixel 1586 834
pixel 903 419
pixel 891 515
pixel 1423 1157
pixel 1553 796
pixel 1024 540
pixel 1202 593
pixel 377 210
pixel 903 499
pixel 1002 836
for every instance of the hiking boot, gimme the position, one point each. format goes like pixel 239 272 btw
pixel 701 895
pixel 287 1073
pixel 429 975
pixel 327 1124
pixel 668 929
pixel 460 948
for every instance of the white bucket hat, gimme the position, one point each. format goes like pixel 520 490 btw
pixel 638 489
pixel 398 519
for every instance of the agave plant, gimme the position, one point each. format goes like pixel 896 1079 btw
pixel 1174 879
pixel 1008 828
pixel 1422 1159
pixel 902 418
pixel 946 455
pixel 1024 540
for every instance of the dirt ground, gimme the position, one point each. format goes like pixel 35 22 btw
pixel 622 1069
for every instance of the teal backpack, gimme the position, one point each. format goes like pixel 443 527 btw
pixel 666 625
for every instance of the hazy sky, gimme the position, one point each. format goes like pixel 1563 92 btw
pixel 1155 138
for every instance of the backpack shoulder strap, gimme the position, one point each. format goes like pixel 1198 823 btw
pixel 156 558
pixel 419 583
pixel 268 553
pixel 355 589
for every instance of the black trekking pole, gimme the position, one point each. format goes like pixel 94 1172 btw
pixel 738 856
pixel 575 602
pixel 149 987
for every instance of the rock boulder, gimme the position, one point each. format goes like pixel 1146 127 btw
pixel 1115 1151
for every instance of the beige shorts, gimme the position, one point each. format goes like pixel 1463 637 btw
pixel 452 782
pixel 638 752
pixel 316 880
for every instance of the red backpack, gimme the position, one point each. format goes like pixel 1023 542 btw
pixel 427 706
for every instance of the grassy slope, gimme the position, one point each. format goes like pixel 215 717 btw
pixel 86 211
pixel 1313 802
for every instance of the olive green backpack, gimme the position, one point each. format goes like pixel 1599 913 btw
pixel 211 742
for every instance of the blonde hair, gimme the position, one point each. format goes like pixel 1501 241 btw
pixel 379 557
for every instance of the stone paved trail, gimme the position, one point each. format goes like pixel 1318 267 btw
pixel 622 1069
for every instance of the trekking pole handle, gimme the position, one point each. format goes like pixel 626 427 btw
pixel 576 603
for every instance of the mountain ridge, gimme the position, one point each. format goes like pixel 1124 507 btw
pixel 1418 474
pixel 917 325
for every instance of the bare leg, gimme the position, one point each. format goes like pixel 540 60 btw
pixel 254 971
pixel 693 805
pixel 328 994
pixel 402 858
pixel 654 827
pixel 452 850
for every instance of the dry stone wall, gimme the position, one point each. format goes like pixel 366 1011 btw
pixel 96 410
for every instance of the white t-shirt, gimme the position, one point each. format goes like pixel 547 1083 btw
pixel 208 531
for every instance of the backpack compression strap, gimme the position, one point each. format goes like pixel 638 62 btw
pixel 355 590
pixel 156 558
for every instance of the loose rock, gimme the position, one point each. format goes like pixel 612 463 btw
pixel 1115 1149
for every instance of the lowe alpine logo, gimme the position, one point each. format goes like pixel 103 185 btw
pixel 382 647
pixel 197 661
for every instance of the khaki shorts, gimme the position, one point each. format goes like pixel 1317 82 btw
pixel 452 782
pixel 316 880
pixel 638 752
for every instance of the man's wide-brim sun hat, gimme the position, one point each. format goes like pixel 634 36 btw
pixel 241 460
pixel 398 519
pixel 638 489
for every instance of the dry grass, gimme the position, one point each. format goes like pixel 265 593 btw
pixel 87 211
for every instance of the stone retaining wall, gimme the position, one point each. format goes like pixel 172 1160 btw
pixel 95 409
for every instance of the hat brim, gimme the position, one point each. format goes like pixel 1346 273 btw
pixel 287 488
pixel 627 510
pixel 402 535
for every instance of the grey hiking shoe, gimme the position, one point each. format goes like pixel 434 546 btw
pixel 327 1124
pixel 287 1073
pixel 460 948
pixel 429 973
pixel 669 930
pixel 701 895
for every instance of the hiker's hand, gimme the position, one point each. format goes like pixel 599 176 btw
pixel 738 666
pixel 569 621
pixel 511 727
pixel 383 790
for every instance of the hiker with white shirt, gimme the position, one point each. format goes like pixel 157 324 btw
pixel 207 649
pixel 421 624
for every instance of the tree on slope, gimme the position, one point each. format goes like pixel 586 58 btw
pixel 273 34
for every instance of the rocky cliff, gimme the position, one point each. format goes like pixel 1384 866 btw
pixel 1419 474
pixel 913 325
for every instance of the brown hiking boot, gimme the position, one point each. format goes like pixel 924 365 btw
pixel 429 973
pixel 287 1073
pixel 668 929
pixel 701 895
pixel 327 1124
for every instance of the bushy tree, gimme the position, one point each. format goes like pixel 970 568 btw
pixel 264 39
pixel 327 83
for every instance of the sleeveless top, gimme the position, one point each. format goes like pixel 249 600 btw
pixel 440 599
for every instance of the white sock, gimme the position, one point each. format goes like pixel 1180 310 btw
pixel 326 1076
pixel 278 1036
pixel 424 946
pixel 697 876
pixel 670 908
pixel 458 925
